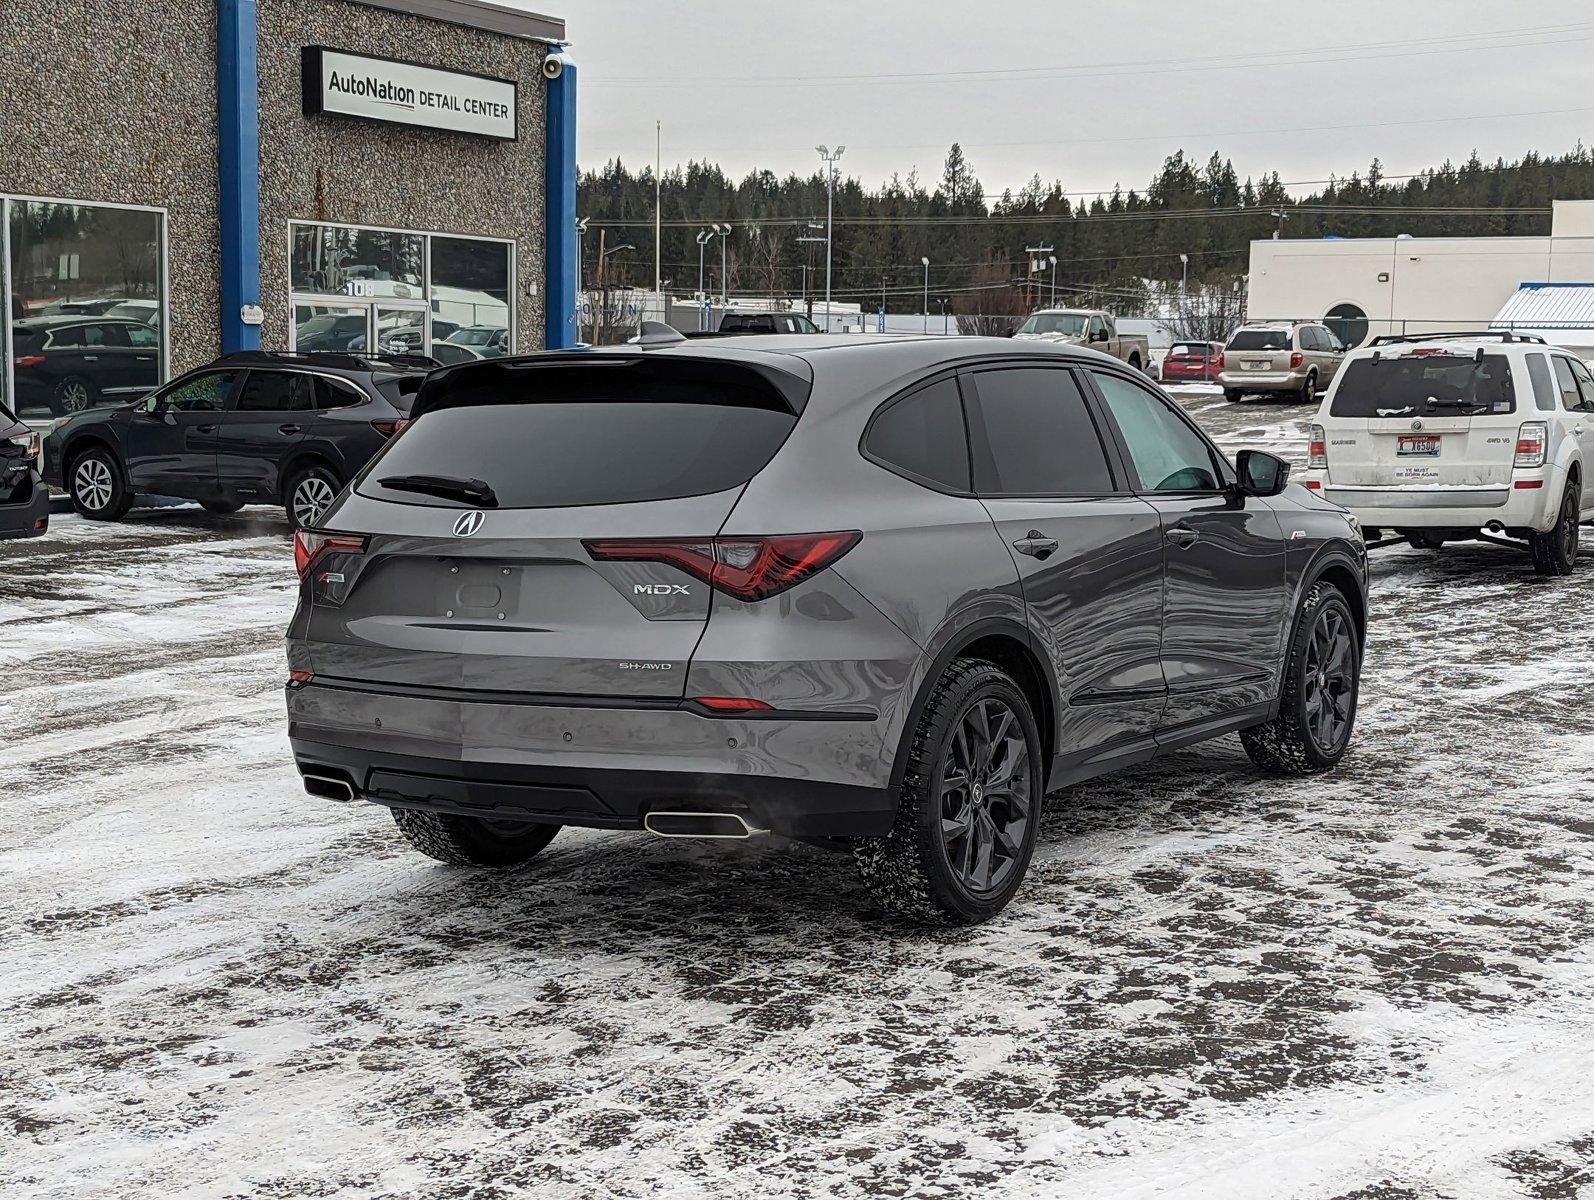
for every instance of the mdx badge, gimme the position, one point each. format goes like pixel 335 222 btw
pixel 469 523
pixel 659 589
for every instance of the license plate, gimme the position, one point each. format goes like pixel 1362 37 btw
pixel 1257 366
pixel 1422 446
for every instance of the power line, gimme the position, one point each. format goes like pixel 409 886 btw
pixel 1492 40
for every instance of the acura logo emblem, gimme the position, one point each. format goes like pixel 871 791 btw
pixel 1417 424
pixel 469 523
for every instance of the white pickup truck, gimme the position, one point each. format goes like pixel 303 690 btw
pixel 1091 327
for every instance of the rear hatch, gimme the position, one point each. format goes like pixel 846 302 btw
pixel 476 572
pixel 1423 418
pixel 1259 350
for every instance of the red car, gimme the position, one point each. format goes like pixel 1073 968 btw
pixel 1193 362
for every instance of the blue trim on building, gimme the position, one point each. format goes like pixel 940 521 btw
pixel 561 331
pixel 238 159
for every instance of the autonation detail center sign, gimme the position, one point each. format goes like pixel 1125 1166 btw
pixel 383 89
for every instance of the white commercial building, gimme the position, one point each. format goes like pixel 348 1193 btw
pixel 1367 286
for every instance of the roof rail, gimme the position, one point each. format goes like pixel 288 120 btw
pixel 1464 335
pixel 337 359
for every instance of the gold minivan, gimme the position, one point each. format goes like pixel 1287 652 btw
pixel 1299 358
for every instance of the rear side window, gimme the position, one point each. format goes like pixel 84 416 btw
pixel 1420 384
pixel 1544 389
pixel 922 436
pixel 337 393
pixel 1032 435
pixel 276 391
pixel 599 435
pixel 1585 382
pixel 1566 384
pixel 1260 339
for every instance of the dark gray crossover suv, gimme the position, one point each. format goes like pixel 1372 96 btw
pixel 884 593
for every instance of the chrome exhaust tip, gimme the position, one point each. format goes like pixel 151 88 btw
pixel 714 825
pixel 329 787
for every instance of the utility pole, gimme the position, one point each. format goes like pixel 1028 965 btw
pixel 830 160
pixel 926 263
pixel 884 279
pixel 808 305
pixel 603 290
pixel 581 252
pixel 1053 261
pixel 946 321
pixel 1281 215
pixel 725 232
pixel 1034 265
pixel 658 208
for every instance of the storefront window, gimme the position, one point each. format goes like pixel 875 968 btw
pixel 401 293
pixel 470 295
pixel 334 260
pixel 84 298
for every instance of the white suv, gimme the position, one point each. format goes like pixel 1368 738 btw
pixel 1447 437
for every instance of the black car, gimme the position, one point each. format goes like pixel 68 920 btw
pixel 71 363
pixel 24 504
pixel 250 428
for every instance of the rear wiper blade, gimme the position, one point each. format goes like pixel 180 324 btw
pixel 1454 402
pixel 477 491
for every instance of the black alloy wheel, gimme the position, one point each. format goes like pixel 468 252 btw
pixel 986 797
pixel 1330 679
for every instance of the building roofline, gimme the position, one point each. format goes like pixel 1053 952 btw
pixel 491 16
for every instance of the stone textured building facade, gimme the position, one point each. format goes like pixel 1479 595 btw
pixel 123 113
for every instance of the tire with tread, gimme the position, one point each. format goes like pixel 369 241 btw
pixel 1555 551
pixel 468 841
pixel 907 871
pixel 84 495
pixel 1309 388
pixel 1285 745
pixel 1231 396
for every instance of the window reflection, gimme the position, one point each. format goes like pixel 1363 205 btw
pixel 333 260
pixel 85 303
pixel 470 296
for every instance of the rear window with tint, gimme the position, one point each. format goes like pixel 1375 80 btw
pixel 1188 349
pixel 553 453
pixel 1424 385
pixel 1260 339
pixel 747 325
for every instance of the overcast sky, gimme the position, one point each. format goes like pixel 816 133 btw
pixel 1090 93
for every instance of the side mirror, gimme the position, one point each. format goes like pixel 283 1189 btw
pixel 1261 473
pixel 1099 335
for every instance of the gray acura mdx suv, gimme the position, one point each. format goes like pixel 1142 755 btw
pixel 877 592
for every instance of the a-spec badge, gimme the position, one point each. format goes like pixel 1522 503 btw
pixel 469 523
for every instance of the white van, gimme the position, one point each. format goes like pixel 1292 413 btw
pixel 1448 437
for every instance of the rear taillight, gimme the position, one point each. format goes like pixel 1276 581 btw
pixel 1530 444
pixel 749 568
pixel 1317 450
pixel 31 360
pixel 29 443
pixel 310 547
pixel 388 428
pixel 1296 359
pixel 299 678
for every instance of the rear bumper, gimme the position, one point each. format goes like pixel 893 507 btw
pixel 27 518
pixel 1450 507
pixel 600 766
pixel 1263 381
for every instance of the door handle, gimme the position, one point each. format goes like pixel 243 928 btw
pixel 1181 535
pixel 1036 545
pixel 289 430
pixel 205 428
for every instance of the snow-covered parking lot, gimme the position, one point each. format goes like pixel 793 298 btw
pixel 1375 984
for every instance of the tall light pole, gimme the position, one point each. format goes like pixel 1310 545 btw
pixel 658 207
pixel 1053 260
pixel 725 233
pixel 830 160
pixel 704 237
pixel 581 253
pixel 1184 274
pixel 926 263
